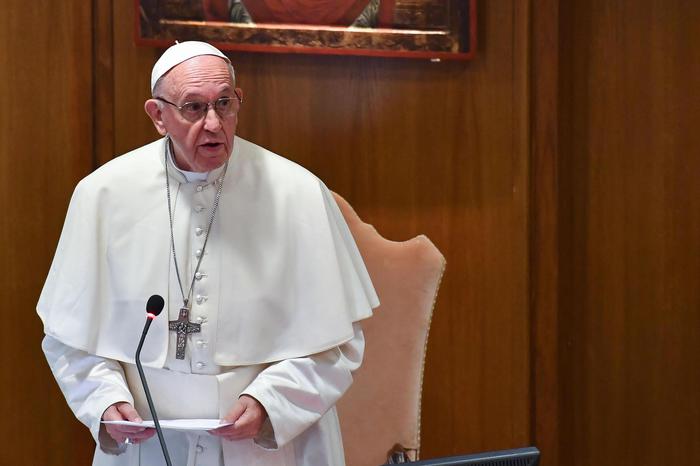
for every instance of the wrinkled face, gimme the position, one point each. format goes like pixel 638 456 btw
pixel 205 144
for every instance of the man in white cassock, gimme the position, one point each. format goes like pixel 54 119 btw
pixel 264 289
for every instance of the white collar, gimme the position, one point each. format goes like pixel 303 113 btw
pixel 191 177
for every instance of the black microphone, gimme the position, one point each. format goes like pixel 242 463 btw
pixel 154 306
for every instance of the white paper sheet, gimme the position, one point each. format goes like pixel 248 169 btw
pixel 176 424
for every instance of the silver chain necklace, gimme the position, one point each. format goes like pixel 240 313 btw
pixel 182 325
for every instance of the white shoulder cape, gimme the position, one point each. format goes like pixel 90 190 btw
pixel 292 279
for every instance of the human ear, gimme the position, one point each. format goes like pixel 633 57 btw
pixel 156 114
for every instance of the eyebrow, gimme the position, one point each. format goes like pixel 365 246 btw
pixel 192 96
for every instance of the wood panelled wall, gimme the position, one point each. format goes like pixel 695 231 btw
pixel 45 148
pixel 630 238
pixel 555 173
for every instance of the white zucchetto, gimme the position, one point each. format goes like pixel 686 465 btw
pixel 180 52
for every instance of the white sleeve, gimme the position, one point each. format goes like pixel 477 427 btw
pixel 297 392
pixel 90 385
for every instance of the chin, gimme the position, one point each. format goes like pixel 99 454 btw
pixel 215 163
pixel 211 162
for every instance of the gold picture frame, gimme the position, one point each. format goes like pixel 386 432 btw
pixel 425 29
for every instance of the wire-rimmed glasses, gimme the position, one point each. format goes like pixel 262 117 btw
pixel 225 107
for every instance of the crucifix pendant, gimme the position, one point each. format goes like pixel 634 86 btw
pixel 183 327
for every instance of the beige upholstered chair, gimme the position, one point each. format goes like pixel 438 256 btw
pixel 382 407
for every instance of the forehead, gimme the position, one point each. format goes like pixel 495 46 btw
pixel 202 74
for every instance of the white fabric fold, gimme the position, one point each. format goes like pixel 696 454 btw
pixel 292 281
pixel 90 384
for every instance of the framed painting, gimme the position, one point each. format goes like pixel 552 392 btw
pixel 427 29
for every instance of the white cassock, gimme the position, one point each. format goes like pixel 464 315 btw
pixel 280 292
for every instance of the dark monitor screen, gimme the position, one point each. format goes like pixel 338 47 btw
pixel 518 457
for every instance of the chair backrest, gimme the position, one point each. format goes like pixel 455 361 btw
pixel 382 407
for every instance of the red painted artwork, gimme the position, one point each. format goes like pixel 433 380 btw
pixel 428 29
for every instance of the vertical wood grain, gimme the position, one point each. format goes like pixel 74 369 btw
pixel 544 208
pixel 45 148
pixel 103 86
pixel 132 82
pixel 631 311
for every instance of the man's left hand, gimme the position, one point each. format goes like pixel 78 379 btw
pixel 247 416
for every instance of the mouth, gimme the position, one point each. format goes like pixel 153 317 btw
pixel 211 146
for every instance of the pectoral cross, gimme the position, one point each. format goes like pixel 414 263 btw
pixel 183 327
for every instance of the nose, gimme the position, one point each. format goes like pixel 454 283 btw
pixel 212 122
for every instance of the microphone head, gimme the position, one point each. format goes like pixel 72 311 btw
pixel 155 304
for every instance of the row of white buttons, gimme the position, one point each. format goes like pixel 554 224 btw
pixel 200 298
pixel 200 343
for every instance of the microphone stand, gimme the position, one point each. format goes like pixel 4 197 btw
pixel 151 407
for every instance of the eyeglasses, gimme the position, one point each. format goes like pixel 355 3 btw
pixel 225 107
